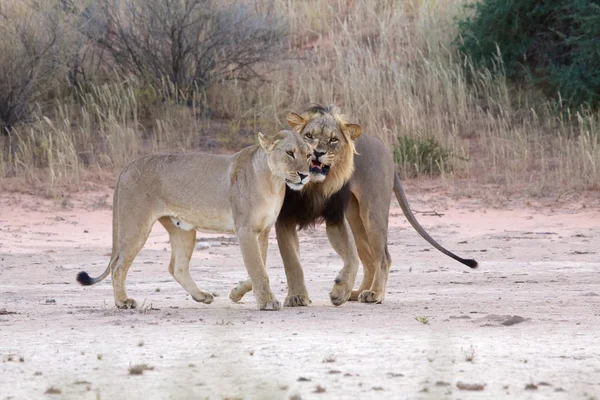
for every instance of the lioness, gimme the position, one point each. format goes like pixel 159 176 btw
pixel 366 193
pixel 240 193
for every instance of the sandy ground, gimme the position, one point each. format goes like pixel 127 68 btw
pixel 538 262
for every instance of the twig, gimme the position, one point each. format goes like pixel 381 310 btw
pixel 432 213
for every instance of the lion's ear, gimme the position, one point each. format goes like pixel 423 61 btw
pixel 353 130
pixel 296 122
pixel 264 141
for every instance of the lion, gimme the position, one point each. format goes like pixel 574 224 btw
pixel 240 193
pixel 350 174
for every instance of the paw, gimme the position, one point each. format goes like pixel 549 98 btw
pixel 235 295
pixel 370 296
pixel 238 292
pixel 126 304
pixel 354 295
pixel 340 293
pixel 298 300
pixel 204 297
pixel 271 305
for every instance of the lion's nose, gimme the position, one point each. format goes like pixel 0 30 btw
pixel 318 154
pixel 302 176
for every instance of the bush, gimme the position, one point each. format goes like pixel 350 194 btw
pixel 191 43
pixel 415 156
pixel 31 57
pixel 552 44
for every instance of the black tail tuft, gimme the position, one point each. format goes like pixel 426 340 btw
pixel 469 263
pixel 84 279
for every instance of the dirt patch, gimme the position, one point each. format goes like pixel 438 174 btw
pixel 530 313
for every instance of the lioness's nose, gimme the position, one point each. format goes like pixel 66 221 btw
pixel 302 176
pixel 318 154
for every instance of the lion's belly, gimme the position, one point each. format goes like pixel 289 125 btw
pixel 213 223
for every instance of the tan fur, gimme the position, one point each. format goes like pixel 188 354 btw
pixel 343 163
pixel 372 184
pixel 318 125
pixel 241 194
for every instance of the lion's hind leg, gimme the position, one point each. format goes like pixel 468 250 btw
pixel 132 238
pixel 363 246
pixel 182 247
pixel 376 232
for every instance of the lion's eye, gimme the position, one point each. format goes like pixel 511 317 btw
pixel 333 140
pixel 290 153
pixel 308 136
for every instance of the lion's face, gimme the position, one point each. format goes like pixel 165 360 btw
pixel 330 139
pixel 289 158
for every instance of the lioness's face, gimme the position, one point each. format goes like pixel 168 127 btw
pixel 325 135
pixel 289 158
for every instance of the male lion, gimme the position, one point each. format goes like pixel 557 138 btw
pixel 240 193
pixel 366 193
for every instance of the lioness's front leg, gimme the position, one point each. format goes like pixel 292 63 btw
pixel 289 247
pixel 251 252
pixel 244 287
pixel 342 241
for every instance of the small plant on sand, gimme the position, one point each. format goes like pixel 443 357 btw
pixel 53 390
pixel 139 369
pixel 319 389
pixel 329 359
pixel 423 320
pixel 469 354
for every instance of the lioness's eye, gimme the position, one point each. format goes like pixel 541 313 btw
pixel 290 153
pixel 333 140
pixel 308 136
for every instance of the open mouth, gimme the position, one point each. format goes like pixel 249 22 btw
pixel 317 167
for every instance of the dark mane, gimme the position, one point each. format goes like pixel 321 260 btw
pixel 308 208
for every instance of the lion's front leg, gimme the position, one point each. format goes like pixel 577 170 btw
pixel 253 259
pixel 342 241
pixel 289 247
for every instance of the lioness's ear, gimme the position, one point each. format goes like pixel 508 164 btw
pixel 353 130
pixel 264 141
pixel 296 122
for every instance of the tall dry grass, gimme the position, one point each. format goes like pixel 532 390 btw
pixel 391 65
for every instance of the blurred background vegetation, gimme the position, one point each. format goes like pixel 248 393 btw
pixel 493 94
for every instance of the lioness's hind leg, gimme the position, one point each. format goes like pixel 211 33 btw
pixel 131 240
pixel 182 247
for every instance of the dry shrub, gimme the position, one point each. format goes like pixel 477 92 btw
pixel 31 53
pixel 191 43
pixel 391 65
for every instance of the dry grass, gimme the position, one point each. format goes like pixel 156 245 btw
pixel 139 369
pixel 390 65
pixel 53 390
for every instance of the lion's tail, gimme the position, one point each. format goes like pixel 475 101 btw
pixel 83 277
pixel 401 196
